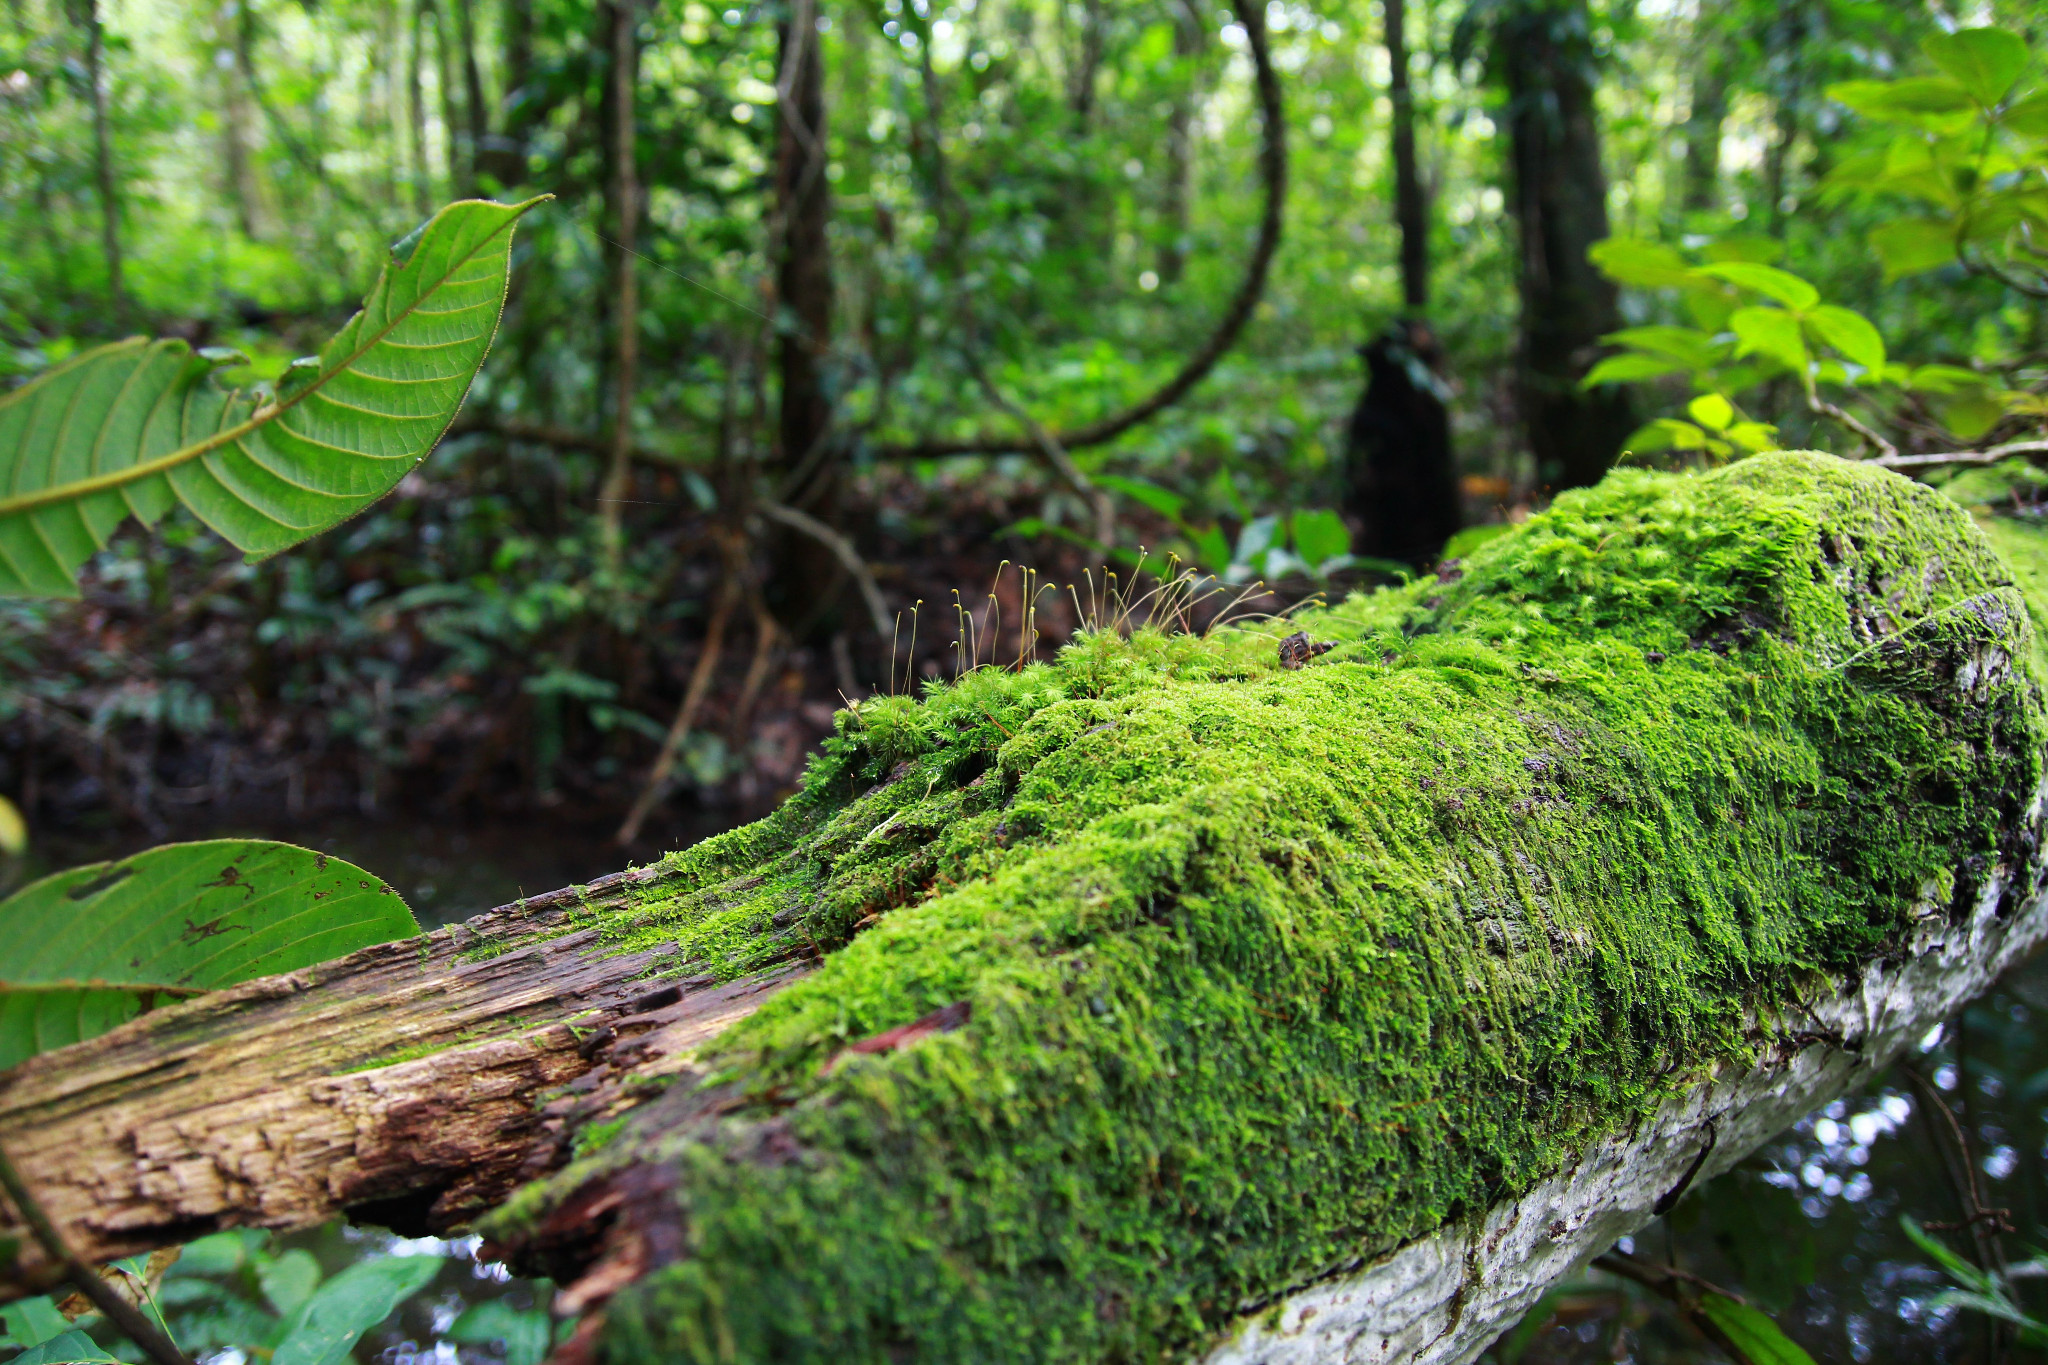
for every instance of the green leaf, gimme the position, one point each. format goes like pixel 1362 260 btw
pixel 1758 1340
pixel 1972 413
pixel 1320 536
pixel 1643 265
pixel 1773 283
pixel 1212 548
pixel 289 1281
pixel 1946 379
pixel 135 427
pixel 1665 433
pixel 1630 367
pixel 1711 411
pixel 1690 346
pixel 1151 495
pixel 525 1333
pixel 72 1348
pixel 1910 100
pixel 1749 246
pixel 94 946
pixel 1770 332
pixel 31 1322
pixel 1984 61
pixel 1850 333
pixel 1471 538
pixel 1959 1269
pixel 1753 436
pixel 1911 245
pixel 349 1305
pixel 2029 117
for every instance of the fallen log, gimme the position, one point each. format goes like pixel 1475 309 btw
pixel 1167 1002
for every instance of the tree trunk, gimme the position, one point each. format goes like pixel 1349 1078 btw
pixel 88 16
pixel 1559 197
pixel 444 78
pixel 1411 211
pixel 1709 112
pixel 504 152
pixel 1190 37
pixel 625 196
pixel 243 191
pixel 478 114
pixel 1171 1002
pixel 806 582
pixel 416 110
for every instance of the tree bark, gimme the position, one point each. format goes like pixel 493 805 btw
pixel 474 108
pixel 88 16
pixel 1094 1029
pixel 504 152
pixel 1190 37
pixel 1558 191
pixel 444 79
pixel 416 111
pixel 1709 112
pixel 625 65
pixel 1411 210
pixel 806 583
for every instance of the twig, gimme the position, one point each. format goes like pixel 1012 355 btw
pixel 2032 446
pixel 842 549
pixel 1683 1289
pixel 766 633
pixel 1869 436
pixel 686 716
pixel 123 1314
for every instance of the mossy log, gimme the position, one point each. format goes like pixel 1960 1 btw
pixel 1164 1002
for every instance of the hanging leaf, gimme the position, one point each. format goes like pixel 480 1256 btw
pixel 135 427
pixel 1770 332
pixel 1711 411
pixel 1757 1339
pixel 96 945
pixel 1631 366
pixel 1911 245
pixel 1643 265
pixel 1779 285
pixel 1984 61
pixel 1850 333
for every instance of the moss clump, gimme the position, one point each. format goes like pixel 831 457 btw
pixel 1267 971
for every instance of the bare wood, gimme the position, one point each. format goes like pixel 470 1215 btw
pixel 406 1076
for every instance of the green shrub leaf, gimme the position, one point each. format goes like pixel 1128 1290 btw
pixel 132 428
pixel 349 1305
pixel 1912 245
pixel 1770 332
pixel 1768 280
pixel 1755 1337
pixel 96 945
pixel 1984 61
pixel 1850 333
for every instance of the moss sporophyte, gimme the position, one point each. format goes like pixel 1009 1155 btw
pixel 1251 973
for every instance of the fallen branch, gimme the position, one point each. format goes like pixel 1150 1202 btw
pixel 2034 445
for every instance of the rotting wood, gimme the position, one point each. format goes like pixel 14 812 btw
pixel 407 1081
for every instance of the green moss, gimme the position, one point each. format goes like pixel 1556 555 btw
pixel 1271 970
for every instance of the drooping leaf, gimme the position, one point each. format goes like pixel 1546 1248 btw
pixel 1320 536
pixel 72 1348
pixel 1958 1269
pixel 1850 333
pixel 1911 245
pixel 1946 379
pixel 93 946
pixel 1631 366
pixel 1643 265
pixel 1771 332
pixel 1711 411
pixel 1753 436
pixel 1779 285
pixel 1759 1340
pixel 1984 61
pixel 1665 433
pixel 1911 100
pixel 525 1333
pixel 136 427
pixel 350 1304
pixel 1690 346
pixel 1745 246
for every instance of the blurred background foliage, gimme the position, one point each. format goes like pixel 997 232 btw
pixel 889 260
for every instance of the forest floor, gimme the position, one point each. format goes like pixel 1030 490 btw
pixel 185 693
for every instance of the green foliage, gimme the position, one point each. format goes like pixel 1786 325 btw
pixel 1265 971
pixel 96 945
pixel 1757 1340
pixel 1991 1293
pixel 134 428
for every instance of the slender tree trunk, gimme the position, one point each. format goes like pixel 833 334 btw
pixel 625 222
pixel 1709 112
pixel 1189 37
pixel 451 121
pixel 504 155
pixel 807 455
pixel 88 16
pixel 242 191
pixel 416 110
pixel 1411 211
pixel 472 95
pixel 1087 65
pixel 1559 199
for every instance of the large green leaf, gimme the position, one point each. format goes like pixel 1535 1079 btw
pixel 90 948
pixel 134 427
pixel 350 1304
pixel 1757 1339
pixel 1984 61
